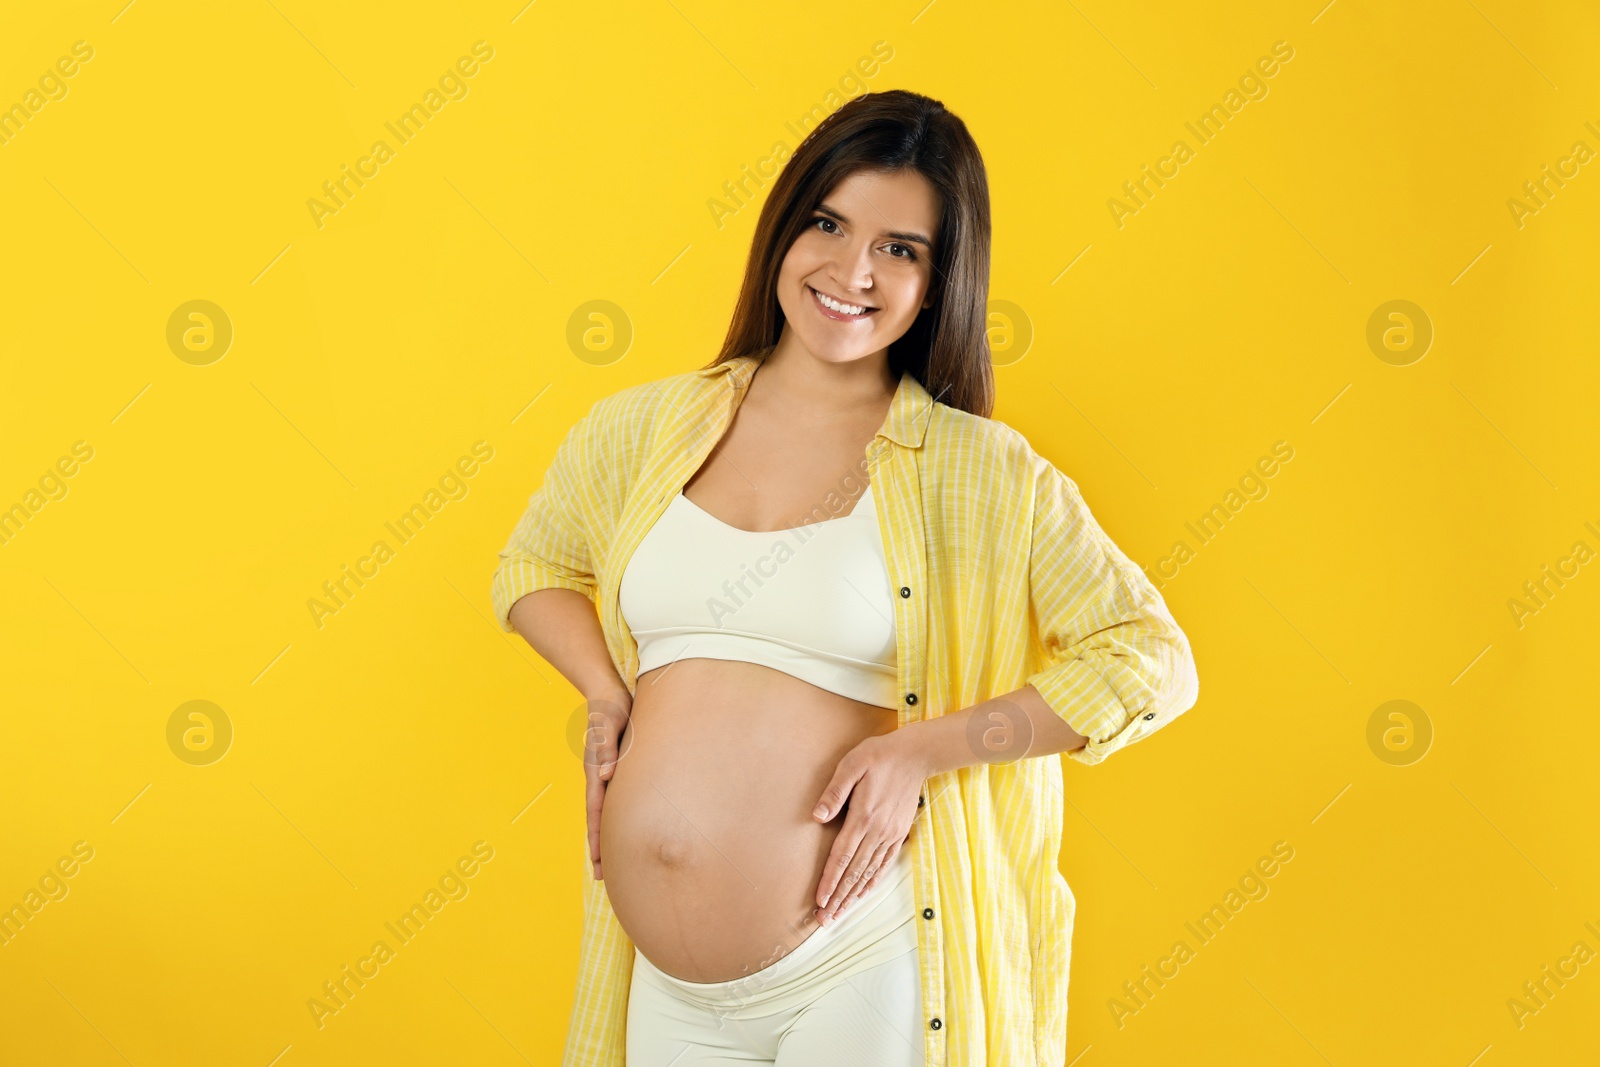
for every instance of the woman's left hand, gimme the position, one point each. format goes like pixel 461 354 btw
pixel 882 778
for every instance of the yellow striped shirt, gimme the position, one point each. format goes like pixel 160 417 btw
pixel 1005 580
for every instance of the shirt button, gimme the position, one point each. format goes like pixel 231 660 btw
pixel 919 801
pixel 911 698
pixel 1150 716
pixel 905 590
pixel 927 913
pixel 935 1023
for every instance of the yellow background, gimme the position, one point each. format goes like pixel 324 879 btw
pixel 1229 313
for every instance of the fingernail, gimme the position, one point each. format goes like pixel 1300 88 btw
pixel 821 812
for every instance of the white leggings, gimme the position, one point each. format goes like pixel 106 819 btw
pixel 849 996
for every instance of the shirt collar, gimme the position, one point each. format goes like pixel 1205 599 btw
pixel 909 411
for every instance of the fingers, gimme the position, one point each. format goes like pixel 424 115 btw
pixel 843 853
pixel 594 797
pixel 870 874
pixel 607 719
pixel 868 862
pixel 875 876
pixel 607 722
pixel 838 789
pixel 600 744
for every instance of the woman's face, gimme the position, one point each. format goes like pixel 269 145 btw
pixel 869 245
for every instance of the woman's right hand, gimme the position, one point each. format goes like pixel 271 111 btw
pixel 608 721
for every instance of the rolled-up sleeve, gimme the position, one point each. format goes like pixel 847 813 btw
pixel 1116 665
pixel 550 546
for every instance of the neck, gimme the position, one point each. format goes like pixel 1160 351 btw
pixel 811 384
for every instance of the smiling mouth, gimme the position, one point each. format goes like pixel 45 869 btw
pixel 861 311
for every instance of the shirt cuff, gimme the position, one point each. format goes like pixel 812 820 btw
pixel 1103 698
pixel 518 576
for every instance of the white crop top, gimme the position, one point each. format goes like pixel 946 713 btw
pixel 813 601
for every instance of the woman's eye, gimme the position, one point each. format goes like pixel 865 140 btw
pixel 829 226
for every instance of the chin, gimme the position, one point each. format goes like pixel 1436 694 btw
pixel 830 351
pixel 827 345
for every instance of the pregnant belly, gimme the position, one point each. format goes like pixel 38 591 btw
pixel 710 854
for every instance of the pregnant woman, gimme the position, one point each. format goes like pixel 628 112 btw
pixel 833 624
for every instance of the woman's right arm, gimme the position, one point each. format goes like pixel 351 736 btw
pixel 544 589
pixel 545 586
pixel 562 626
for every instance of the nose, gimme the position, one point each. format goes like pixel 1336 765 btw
pixel 853 268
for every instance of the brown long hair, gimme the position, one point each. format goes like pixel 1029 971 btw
pixel 946 347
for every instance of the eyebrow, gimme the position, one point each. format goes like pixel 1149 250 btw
pixel 898 235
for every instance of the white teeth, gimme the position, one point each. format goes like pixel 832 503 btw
pixel 845 309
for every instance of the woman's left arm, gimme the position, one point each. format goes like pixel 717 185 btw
pixel 883 778
pixel 1117 669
